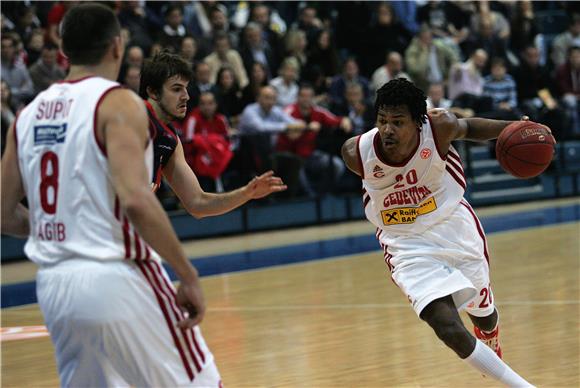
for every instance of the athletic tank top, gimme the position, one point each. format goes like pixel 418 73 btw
pixel 164 143
pixel 409 197
pixel 74 211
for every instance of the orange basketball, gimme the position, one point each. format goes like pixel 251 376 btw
pixel 525 149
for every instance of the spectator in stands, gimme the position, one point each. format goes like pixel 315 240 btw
pixel 261 14
pixel 14 73
pixel 132 78
pixel 134 56
pixel 201 83
pixel 35 45
pixel 188 49
pixel 26 22
pixel 406 12
pixel 265 117
pixel 324 56
pixel 137 18
pixel 501 87
pixel 173 31
pixel 260 123
pixel 565 40
pixel 447 20
pixel 218 18
pixel 258 79
pixel 391 69
pixel 499 25
pixel 436 97
pixel 429 60
pixel 317 165
pixel 568 84
pixel 196 18
pixel 524 28
pixel 7 104
pixel 285 84
pixel 228 94
pixel 225 56
pixel 535 98
pixel 257 49
pixel 296 47
pixel 486 39
pixel 309 22
pixel 54 18
pixel 356 108
pixel 466 79
pixel 7 111
pixel 46 71
pixel 350 75
pixel 203 124
pixel 387 34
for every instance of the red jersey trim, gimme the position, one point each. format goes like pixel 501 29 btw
pixel 360 163
pixel 74 81
pixel 165 126
pixel 443 157
pixel 99 144
pixel 377 148
pixel 479 229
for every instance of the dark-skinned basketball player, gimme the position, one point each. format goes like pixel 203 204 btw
pixel 433 243
pixel 164 81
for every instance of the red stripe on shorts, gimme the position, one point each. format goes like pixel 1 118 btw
pixel 479 229
pixel 168 320
pixel 189 335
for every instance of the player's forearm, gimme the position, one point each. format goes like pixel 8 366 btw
pixel 15 222
pixel 479 129
pixel 152 224
pixel 211 204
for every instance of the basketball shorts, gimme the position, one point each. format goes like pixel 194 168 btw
pixel 450 258
pixel 114 324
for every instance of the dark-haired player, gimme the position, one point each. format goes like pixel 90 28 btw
pixel 164 81
pixel 433 243
pixel 80 153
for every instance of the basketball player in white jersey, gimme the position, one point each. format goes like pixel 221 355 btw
pixel 81 154
pixel 164 81
pixel 433 243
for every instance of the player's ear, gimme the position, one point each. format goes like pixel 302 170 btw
pixel 152 94
pixel 118 47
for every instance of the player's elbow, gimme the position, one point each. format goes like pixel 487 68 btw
pixel 136 203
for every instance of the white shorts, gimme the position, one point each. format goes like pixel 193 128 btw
pixel 114 324
pixel 450 258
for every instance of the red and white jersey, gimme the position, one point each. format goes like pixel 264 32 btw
pixel 74 211
pixel 408 198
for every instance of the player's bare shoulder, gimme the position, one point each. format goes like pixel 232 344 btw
pixel 350 156
pixel 445 127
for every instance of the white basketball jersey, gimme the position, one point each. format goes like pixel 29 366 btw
pixel 74 211
pixel 407 198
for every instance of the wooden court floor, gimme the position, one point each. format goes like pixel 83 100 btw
pixel 341 322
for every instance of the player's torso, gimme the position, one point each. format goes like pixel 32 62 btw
pixel 73 207
pixel 164 144
pixel 410 197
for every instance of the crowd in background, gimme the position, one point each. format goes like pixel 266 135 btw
pixel 283 84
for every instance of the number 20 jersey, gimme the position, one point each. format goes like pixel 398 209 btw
pixel 74 212
pixel 409 197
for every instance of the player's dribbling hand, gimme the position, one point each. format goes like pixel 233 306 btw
pixel 191 301
pixel 264 184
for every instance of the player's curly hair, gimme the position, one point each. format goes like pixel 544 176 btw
pixel 400 91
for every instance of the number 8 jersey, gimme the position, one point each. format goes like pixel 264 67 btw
pixel 408 198
pixel 74 211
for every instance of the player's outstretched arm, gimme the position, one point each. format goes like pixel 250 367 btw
pixel 451 128
pixel 350 155
pixel 201 204
pixel 14 215
pixel 122 127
